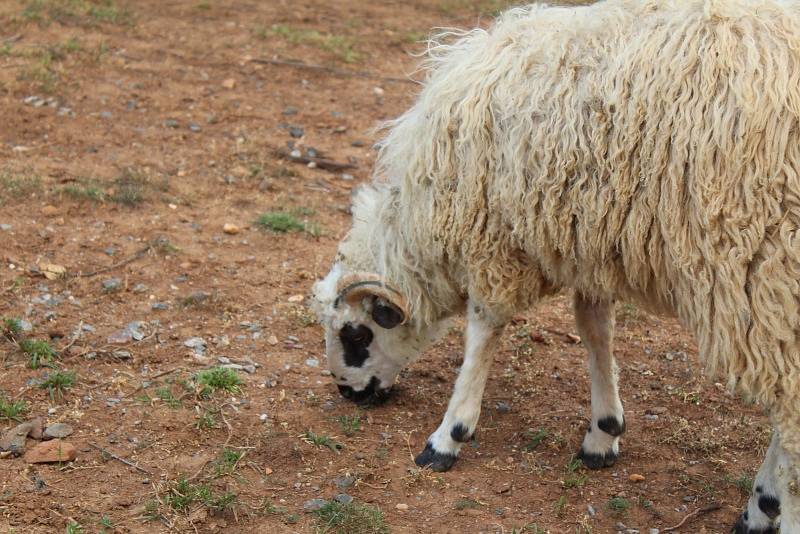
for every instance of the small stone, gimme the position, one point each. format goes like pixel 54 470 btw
pixel 312 362
pixel 171 123
pixel 296 132
pixel 289 110
pixel 344 481
pixel 313 505
pixel 106 115
pixel 357 143
pixel 502 407
pixel 198 344
pixel 112 284
pixel 57 430
pixel 378 91
pixel 296 298
pixel 13 440
pixel 347 177
pixel 263 418
pixel 658 410
pixel 591 511
pixel 229 83
pixel 5 227
pixel 651 417
pixel 636 477
pixel 653 531
pixel 194 127
pixel 37 428
pixel 401 506
pixel 139 288
pixel 343 498
pixel 51 451
pixel 159 306
pixel 231 229
pixel 49 211
pixel 272 340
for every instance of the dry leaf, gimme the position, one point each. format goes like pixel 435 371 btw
pixel 52 271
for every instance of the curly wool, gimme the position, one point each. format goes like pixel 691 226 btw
pixel 646 151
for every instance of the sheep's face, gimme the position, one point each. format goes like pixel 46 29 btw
pixel 368 336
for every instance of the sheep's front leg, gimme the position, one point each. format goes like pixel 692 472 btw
pixel 595 323
pixel 764 505
pixel 464 408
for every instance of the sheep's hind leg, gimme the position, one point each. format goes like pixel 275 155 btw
pixel 764 505
pixel 595 322
pixel 464 408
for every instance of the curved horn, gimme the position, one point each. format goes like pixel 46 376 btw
pixel 351 288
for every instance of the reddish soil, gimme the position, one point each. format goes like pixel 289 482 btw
pixel 165 124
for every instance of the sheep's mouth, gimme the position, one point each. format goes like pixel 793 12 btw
pixel 372 395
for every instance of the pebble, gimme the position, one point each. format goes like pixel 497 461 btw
pixel 401 506
pixel 171 123
pixel 194 127
pixel 51 451
pixel 653 531
pixel 296 132
pixel 313 505
pixel 590 509
pixel 502 407
pixel 37 428
pixel 312 362
pixel 139 288
pixel 263 417
pixel 112 284
pixel 348 177
pixel 106 115
pixel 658 410
pixel 5 227
pixel 229 83
pixel 344 481
pixel 651 417
pixel 13 440
pixel 636 477
pixel 231 229
pixel 57 430
pixel 378 91
pixel 290 110
pixel 159 306
pixel 343 498
pixel 198 344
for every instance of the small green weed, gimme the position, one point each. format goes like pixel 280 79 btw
pixel 218 379
pixel 183 494
pixel 350 424
pixel 166 396
pixel 76 12
pixel 129 188
pixel 18 185
pixel 560 507
pixel 352 518
pixel 39 352
pixel 321 440
pixel 74 528
pixel 206 421
pixel 618 505
pixel 464 503
pixel 340 46
pixel 10 327
pixel 106 524
pixel 57 382
pixel 280 222
pixel 534 439
pixel 12 409
pixel 227 461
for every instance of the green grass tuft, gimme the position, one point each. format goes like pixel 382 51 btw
pixel 321 440
pixel 57 382
pixel 218 379
pixel 353 518
pixel 39 352
pixel 227 461
pixel 12 409
pixel 350 424
pixel 280 222
pixel 618 505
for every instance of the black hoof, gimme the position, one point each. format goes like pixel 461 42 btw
pixel 437 461
pixel 741 527
pixel 596 461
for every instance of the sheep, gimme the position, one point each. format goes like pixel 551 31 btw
pixel 644 151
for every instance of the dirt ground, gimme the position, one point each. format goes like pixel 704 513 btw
pixel 131 134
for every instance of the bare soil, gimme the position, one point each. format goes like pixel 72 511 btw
pixel 155 124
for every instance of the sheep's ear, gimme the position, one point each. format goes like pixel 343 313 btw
pixel 386 315
pixel 352 288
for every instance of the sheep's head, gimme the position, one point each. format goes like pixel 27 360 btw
pixel 369 335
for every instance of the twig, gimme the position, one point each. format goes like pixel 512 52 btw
pixel 333 70
pixel 119 459
pixel 700 511
pixel 12 39
pixel 151 378
pixel 322 163
pixel 136 255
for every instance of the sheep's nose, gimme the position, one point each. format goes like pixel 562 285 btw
pixel 355 337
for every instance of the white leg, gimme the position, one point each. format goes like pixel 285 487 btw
pixel 595 323
pixel 764 504
pixel 788 480
pixel 464 408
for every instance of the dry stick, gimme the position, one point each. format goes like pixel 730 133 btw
pixel 151 378
pixel 136 255
pixel 333 70
pixel 119 459
pixel 322 163
pixel 700 511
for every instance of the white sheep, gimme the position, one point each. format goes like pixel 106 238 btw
pixel 644 151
